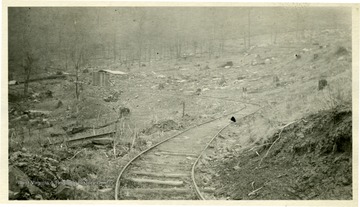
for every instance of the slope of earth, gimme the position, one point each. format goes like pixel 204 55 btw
pixel 307 159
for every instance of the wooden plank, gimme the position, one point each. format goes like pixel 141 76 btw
pixel 175 154
pixel 83 138
pixel 208 190
pixel 157 190
pixel 147 163
pixel 166 175
pixel 160 182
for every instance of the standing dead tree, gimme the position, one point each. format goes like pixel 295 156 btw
pixel 27 65
pixel 77 58
pixel 249 29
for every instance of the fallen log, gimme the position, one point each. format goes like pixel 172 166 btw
pixel 51 77
pixel 82 138
pixel 160 182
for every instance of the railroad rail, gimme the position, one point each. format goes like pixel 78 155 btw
pixel 143 173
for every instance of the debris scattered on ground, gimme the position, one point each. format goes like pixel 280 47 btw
pixel 114 97
pixel 316 152
pixel 162 126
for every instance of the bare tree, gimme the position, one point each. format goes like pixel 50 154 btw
pixel 27 65
pixel 249 29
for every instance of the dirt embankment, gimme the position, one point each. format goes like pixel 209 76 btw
pixel 309 159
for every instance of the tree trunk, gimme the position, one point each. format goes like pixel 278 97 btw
pixel 114 47
pixel 77 92
pixel 249 42
pixel 27 79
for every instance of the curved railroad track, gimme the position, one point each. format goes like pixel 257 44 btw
pixel 165 171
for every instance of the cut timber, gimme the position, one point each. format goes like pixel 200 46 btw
pixel 165 196
pixel 208 190
pixel 160 182
pixel 147 163
pixel 175 154
pixel 102 141
pixel 166 175
pixel 45 78
pixel 84 138
pixel 157 190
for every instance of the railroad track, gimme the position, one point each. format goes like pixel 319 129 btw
pixel 165 171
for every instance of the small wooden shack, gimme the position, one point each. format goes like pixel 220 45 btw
pixel 102 77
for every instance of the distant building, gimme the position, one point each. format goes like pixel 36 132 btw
pixel 102 77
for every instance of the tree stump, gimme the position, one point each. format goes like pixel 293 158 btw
pixel 322 84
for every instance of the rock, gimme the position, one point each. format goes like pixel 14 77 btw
pixel 236 167
pixel 297 56
pixel 20 183
pixel 38 197
pixel 64 192
pixel 13 82
pixel 227 67
pixel 80 187
pixel 13 195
